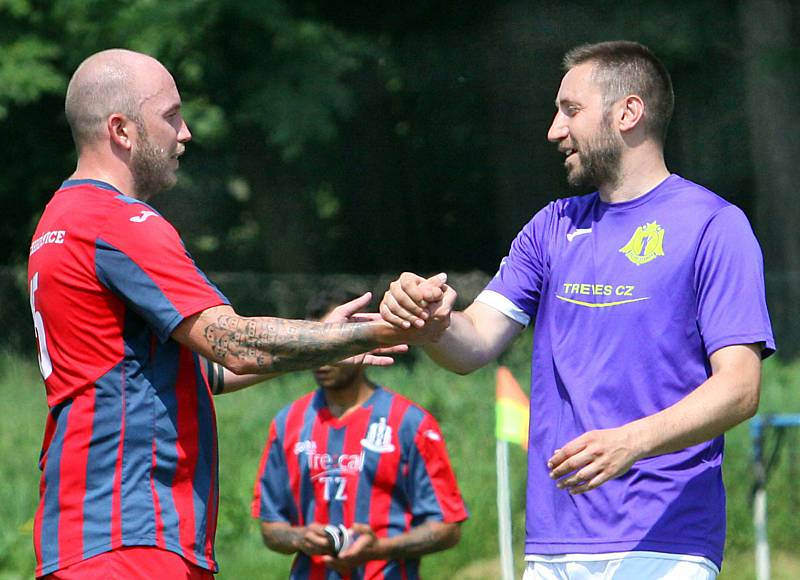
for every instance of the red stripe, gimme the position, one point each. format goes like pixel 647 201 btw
pixel 156 503
pixel 437 465
pixel 356 429
pixel 49 432
pixel 116 495
pixel 319 434
pixel 255 507
pixel 187 450
pixel 294 425
pixel 72 475
pixel 385 481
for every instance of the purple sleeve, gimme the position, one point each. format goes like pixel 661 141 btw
pixel 729 283
pixel 516 288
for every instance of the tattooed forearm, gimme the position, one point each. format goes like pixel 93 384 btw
pixel 283 539
pixel 424 539
pixel 274 344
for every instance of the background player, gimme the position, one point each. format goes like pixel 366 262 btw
pixel 122 315
pixel 354 453
pixel 651 324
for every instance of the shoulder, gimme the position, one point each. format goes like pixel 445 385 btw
pixel 695 197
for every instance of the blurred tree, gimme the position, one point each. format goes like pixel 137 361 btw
pixel 772 75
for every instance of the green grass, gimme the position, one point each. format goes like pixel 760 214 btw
pixel 465 409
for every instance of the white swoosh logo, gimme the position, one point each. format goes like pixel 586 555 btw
pixel 145 214
pixel 578 232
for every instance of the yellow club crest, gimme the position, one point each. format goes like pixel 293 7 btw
pixel 646 244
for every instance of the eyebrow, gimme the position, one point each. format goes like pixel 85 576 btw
pixel 564 102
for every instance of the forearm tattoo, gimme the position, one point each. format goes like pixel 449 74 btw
pixel 282 539
pixel 419 541
pixel 276 344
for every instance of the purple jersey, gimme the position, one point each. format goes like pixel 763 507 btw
pixel 630 300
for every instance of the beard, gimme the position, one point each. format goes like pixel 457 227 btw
pixel 151 167
pixel 599 160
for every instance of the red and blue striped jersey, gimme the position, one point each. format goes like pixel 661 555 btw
pixel 385 464
pixel 130 448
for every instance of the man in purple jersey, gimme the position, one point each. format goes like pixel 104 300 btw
pixel 124 321
pixel 650 328
pixel 354 454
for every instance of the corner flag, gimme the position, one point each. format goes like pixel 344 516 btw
pixel 511 410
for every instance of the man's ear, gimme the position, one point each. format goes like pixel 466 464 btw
pixel 121 129
pixel 630 113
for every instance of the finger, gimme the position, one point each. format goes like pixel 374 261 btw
pixel 568 450
pixel 405 302
pixel 344 311
pixel 377 361
pixel 596 482
pixel 572 463
pixel 580 477
pixel 432 289
pixel 396 349
pixel 389 316
pixel 361 542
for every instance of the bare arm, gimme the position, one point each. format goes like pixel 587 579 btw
pixel 431 536
pixel 427 538
pixel 288 539
pixel 472 338
pixel 728 397
pixel 475 337
pixel 262 345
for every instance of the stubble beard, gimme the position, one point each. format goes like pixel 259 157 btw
pixel 599 161
pixel 151 167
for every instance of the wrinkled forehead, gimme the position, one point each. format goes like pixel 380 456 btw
pixel 579 85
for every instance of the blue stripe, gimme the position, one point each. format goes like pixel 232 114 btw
pixel 206 459
pixel 51 512
pixel 165 368
pixel 421 495
pixel 102 459
pixel 127 280
pixel 93 182
pixel 138 513
pixel 301 568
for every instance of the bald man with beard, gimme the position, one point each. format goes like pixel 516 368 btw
pixel 133 340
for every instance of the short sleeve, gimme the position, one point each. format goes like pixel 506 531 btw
pixel 729 284
pixel 140 257
pixel 516 288
pixel 431 484
pixel 272 496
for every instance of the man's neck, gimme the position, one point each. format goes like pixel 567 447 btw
pixel 639 174
pixel 345 400
pixel 91 168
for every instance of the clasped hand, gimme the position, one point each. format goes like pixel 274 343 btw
pixel 416 302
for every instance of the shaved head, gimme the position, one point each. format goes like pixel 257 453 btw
pixel 111 81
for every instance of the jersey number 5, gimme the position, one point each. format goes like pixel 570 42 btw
pixel 45 366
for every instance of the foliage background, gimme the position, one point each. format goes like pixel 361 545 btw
pixel 339 141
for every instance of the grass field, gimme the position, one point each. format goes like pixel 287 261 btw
pixel 465 409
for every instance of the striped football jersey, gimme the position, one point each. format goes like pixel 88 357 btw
pixel 384 464
pixel 130 448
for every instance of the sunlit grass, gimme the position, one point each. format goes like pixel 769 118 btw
pixel 465 409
